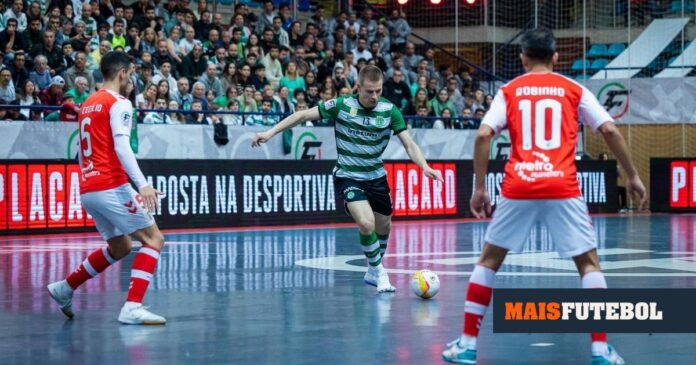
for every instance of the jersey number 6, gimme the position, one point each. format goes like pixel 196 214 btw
pixel 85 136
pixel 540 108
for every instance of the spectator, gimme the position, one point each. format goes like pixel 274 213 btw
pixel 445 122
pixel 408 76
pixel 198 94
pixel 176 118
pixel 239 26
pixel 478 116
pixel 197 118
pixel 148 98
pixel 66 28
pixel 295 35
pixel 80 40
pixel 292 80
pixel 173 45
pixel 361 51
pixel 117 37
pixel 311 79
pixel 349 69
pixel 96 55
pixel 467 120
pixel 266 18
pixel 213 43
pixel 339 79
pixel 283 102
pixel 149 41
pixel 41 75
pixel 53 54
pixel 80 91
pixel 165 74
pixel 32 35
pixel 163 90
pixel 410 57
pixel 244 79
pixel 86 17
pixel 15 12
pixel 279 34
pixel 264 119
pixel 454 93
pixel 144 77
pixel 400 30
pixel 158 118
pixel 422 120
pixel 7 88
pixel 379 57
pixel 185 45
pixel 162 55
pixel 211 81
pixel 27 95
pixel 194 64
pixel 418 101
pixel 479 101
pixel 223 100
pixel 19 71
pixel 421 83
pixel 442 102
pixel 232 119
pixel 52 95
pixel 229 77
pixel 246 101
pixel 118 14
pixel 181 94
pixel 14 114
pixel 396 90
pixel 79 68
pixel 10 39
pixel 274 70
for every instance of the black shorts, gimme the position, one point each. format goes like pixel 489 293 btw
pixel 376 192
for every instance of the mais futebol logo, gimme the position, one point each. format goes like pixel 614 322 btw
pixel 594 310
pixel 565 311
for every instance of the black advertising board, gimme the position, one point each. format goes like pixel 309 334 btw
pixel 43 196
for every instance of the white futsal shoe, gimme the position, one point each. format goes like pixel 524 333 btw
pixel 380 279
pixel 62 293
pixel 136 313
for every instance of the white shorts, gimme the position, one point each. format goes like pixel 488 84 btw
pixel 117 211
pixel 567 220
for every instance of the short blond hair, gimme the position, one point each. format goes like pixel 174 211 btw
pixel 370 73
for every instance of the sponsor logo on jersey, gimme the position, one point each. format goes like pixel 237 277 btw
pixel 539 169
pixel 380 122
pixel 330 104
pixel 126 118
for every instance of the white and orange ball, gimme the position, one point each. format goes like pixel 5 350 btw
pixel 425 284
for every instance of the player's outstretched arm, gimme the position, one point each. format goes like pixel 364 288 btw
pixel 289 122
pixel 480 203
pixel 416 156
pixel 617 145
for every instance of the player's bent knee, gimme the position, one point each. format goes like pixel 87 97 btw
pixel 366 225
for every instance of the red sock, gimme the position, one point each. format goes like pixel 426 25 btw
pixel 595 280
pixel 143 268
pixel 478 297
pixel 96 262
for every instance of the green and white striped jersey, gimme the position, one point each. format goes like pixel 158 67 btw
pixel 361 135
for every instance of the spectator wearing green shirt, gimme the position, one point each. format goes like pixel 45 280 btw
pixel 80 92
pixel 118 36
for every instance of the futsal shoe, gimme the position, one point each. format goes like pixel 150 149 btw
pixel 459 355
pixel 383 284
pixel 138 314
pixel 371 276
pixel 610 357
pixel 62 293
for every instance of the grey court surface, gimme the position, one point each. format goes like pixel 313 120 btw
pixel 295 296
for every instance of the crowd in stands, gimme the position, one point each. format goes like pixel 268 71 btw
pixel 262 62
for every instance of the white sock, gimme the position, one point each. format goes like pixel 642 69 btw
pixel 467 342
pixel 594 280
pixel 599 348
pixel 131 305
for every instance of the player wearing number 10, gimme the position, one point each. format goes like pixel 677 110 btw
pixel 119 212
pixel 541 110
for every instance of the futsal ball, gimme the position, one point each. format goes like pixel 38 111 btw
pixel 425 284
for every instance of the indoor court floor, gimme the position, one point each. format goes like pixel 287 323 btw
pixel 296 296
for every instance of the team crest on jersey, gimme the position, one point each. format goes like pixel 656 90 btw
pixel 380 122
pixel 330 104
pixel 126 118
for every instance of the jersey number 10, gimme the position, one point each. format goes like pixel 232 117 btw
pixel 539 133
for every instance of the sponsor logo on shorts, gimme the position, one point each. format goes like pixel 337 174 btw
pixel 350 195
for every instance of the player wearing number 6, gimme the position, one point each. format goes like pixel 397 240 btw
pixel 541 110
pixel 106 162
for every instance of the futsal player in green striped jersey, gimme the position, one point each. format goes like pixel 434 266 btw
pixel 364 124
